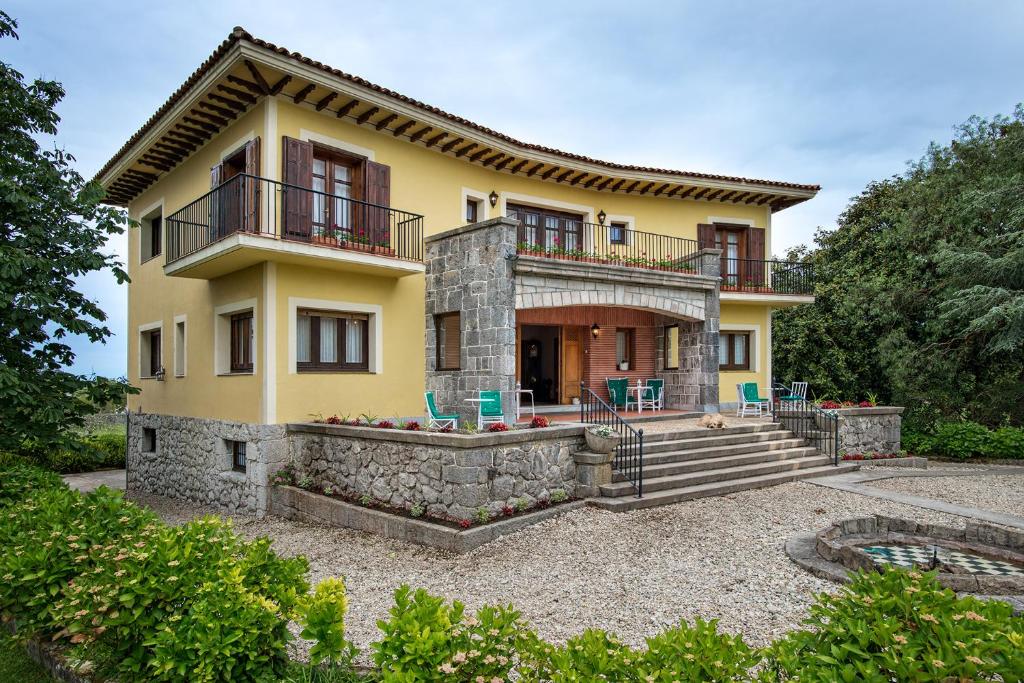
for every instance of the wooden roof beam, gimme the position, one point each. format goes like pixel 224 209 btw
pixel 714 194
pixel 606 183
pixel 754 197
pixel 548 173
pixel 420 133
pixel 490 160
pixel 767 198
pixel 365 116
pixel 469 147
pixel 161 156
pixel 325 100
pixel 177 147
pixel 404 127
pixel 149 177
pixel 503 163
pixel 383 123
pixel 279 86
pixel 254 88
pixel 578 178
pixel 201 127
pixel 564 175
pixel 726 196
pixel 188 137
pixel 738 198
pixel 451 143
pixel 226 114
pixel 258 77
pixel 534 170
pixel 616 186
pixel 436 139
pixel 646 187
pixel 590 182
pixel 300 97
pixel 156 165
pixel 218 121
pixel 233 104
pixel 518 167
pixel 236 93
pixel 347 107
pixel 689 191
pixel 702 193
pixel 632 187
pixel 661 189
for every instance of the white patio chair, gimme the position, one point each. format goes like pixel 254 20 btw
pixel 799 389
pixel 520 392
pixel 746 407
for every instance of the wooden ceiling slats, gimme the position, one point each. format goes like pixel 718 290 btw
pixel 383 123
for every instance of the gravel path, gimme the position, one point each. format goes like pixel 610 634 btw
pixel 997 492
pixel 632 573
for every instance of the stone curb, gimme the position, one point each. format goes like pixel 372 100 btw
pixel 481 440
pixel 296 504
pixel 877 410
pixel 48 657
pixel 914 461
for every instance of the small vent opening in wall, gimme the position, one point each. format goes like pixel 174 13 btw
pixel 238 460
pixel 148 440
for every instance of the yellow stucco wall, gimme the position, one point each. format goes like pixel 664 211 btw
pixel 755 318
pixel 422 181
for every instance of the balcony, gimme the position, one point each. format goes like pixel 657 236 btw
pixel 247 220
pixel 754 279
pixel 571 240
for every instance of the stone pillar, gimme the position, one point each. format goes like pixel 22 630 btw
pixel 593 470
pixel 469 271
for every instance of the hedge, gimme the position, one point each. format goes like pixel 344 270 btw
pixel 963 440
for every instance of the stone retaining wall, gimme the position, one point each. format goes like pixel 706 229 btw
pixel 192 461
pixel 451 474
pixel 863 430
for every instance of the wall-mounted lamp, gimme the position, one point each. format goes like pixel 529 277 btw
pixel 595 331
pixel 494 198
pixel 601 215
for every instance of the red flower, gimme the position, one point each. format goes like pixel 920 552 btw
pixel 508 510
pixel 385 424
pixel 498 427
pixel 412 426
pixel 334 420
pixel 465 523
pixel 866 404
pixel 447 429
pixel 539 421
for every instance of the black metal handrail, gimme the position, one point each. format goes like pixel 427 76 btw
pixel 629 454
pixel 767 277
pixel 261 206
pixel 819 427
pixel 573 240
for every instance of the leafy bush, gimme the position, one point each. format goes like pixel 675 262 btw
pixel 428 640
pixel 902 626
pixel 323 620
pixel 964 440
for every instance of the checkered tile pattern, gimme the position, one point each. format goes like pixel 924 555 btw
pixel 921 555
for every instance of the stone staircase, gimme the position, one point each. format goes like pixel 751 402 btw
pixel 684 465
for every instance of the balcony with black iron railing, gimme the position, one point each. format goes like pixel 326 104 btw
pixel 255 219
pixel 767 277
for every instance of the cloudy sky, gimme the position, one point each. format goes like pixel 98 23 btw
pixel 834 93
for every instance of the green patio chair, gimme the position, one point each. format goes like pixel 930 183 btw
pixel 617 391
pixel 490 408
pixel 750 402
pixel 653 395
pixel 435 420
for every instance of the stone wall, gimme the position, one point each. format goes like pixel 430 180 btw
pixel 192 461
pixel 469 271
pixel 451 474
pixel 863 430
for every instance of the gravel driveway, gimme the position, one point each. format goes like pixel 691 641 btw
pixel 632 573
pixel 996 492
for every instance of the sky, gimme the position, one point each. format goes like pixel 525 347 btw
pixel 831 93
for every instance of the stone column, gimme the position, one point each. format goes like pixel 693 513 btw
pixel 469 271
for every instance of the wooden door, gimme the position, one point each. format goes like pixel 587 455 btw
pixel 572 360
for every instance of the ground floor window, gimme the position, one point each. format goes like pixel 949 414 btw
pixel 238 460
pixel 734 351
pixel 449 330
pixel 624 347
pixel 148 440
pixel 241 342
pixel 331 341
pixel 672 347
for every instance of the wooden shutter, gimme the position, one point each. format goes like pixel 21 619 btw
pixel 297 208
pixel 756 275
pixel 217 218
pixel 251 197
pixel 705 236
pixel 377 191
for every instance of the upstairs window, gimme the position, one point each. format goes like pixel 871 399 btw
pixel 617 232
pixel 152 236
pixel 472 210
pixel 150 353
pixel 331 341
pixel 734 351
pixel 241 342
pixel 449 343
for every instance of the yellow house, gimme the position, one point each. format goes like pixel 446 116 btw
pixel 305 233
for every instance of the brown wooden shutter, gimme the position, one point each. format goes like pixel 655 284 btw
pixel 377 191
pixel 756 274
pixel 251 211
pixel 705 236
pixel 297 206
pixel 217 218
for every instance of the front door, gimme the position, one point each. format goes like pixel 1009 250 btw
pixel 572 363
pixel 546 228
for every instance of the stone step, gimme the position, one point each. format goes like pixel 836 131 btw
pixel 706 476
pixel 701 433
pixel 719 488
pixel 655 470
pixel 685 442
pixel 658 458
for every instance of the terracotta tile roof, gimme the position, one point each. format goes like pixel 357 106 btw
pixel 240 34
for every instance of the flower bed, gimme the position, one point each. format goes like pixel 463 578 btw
pixel 665 262
pixel 538 422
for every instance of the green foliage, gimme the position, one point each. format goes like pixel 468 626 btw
pixel 963 440
pixel 154 602
pixel 428 640
pixel 54 230
pixel 920 291
pixel 902 626
pixel 323 620
pixel 681 653
pixel 15 664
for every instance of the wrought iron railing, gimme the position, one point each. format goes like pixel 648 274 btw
pixel 767 277
pixel 820 428
pixel 260 206
pixel 629 454
pixel 572 240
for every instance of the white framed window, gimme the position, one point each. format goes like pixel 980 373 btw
pixel 739 347
pixel 474 205
pixel 326 335
pixel 180 342
pixel 151 355
pixel 234 338
pixel 151 236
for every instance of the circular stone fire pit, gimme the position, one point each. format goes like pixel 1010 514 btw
pixel 980 558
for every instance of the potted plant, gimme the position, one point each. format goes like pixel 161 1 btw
pixel 601 439
pixel 624 366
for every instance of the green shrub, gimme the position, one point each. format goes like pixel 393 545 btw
pixel 681 653
pixel 964 440
pixel 902 626
pixel 1006 442
pixel 427 640
pixel 323 620
pixel 20 480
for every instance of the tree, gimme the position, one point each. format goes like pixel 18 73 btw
pixel 53 229
pixel 920 293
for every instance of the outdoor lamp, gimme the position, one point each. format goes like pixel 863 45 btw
pixel 494 198
pixel 595 330
pixel 601 215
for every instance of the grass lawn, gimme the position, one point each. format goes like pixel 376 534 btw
pixel 15 664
